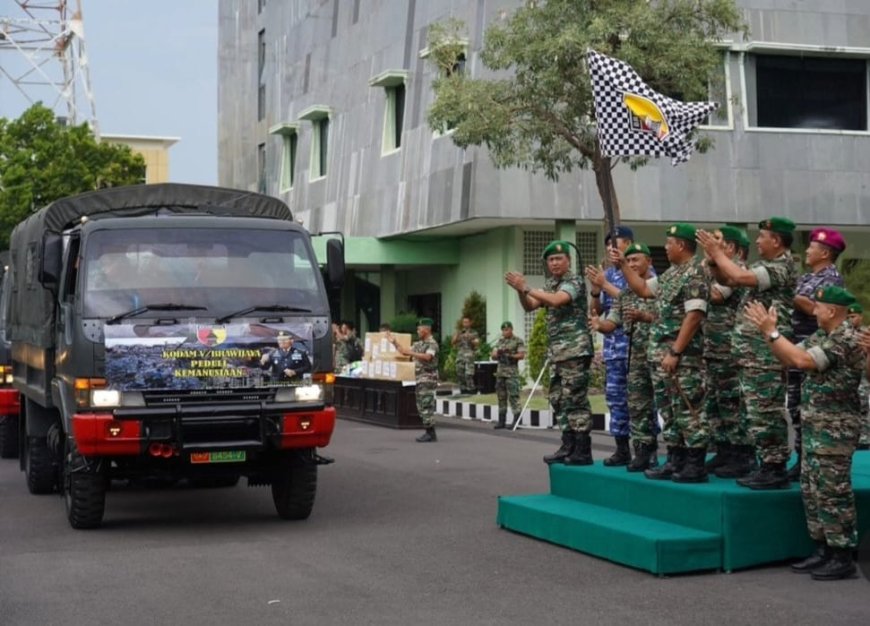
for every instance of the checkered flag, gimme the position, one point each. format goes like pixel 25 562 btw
pixel 635 120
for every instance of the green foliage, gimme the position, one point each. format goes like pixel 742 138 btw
pixel 405 322
pixel 43 161
pixel 537 348
pixel 534 109
pixel 446 361
pixel 474 308
pixel 857 280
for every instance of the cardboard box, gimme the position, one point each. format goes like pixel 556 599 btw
pixel 402 370
pixel 378 348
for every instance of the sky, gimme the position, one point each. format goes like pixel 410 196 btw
pixel 153 71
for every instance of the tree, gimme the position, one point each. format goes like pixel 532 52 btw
pixel 538 343
pixel 536 110
pixel 42 160
pixel 474 308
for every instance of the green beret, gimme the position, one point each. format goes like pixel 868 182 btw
pixel 557 247
pixel 835 295
pixel 425 321
pixel 734 234
pixel 681 231
pixel 778 225
pixel 856 308
pixel 506 325
pixel 637 248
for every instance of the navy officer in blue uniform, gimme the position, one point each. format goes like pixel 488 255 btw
pixel 286 362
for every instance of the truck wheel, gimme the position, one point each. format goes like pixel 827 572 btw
pixel 294 486
pixel 84 489
pixel 38 467
pixel 9 437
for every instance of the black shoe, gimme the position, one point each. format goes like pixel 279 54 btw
pixel 739 463
pixel 676 461
pixel 770 476
pixel 819 556
pixel 582 452
pixel 622 456
pixel 643 454
pixel 567 446
pixel 428 437
pixel 723 456
pixel 693 471
pixel 838 567
pixel 502 418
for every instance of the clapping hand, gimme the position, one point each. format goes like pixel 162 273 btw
pixel 595 275
pixel 711 242
pixel 763 319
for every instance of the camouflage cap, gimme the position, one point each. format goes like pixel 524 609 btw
pixel 781 225
pixel 559 246
pixel 637 248
pixel 681 230
pixel 835 295
pixel 856 307
pixel 425 321
pixel 506 324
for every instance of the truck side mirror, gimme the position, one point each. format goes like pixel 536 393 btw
pixel 335 262
pixel 52 259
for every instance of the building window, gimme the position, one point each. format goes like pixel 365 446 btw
pixel 534 242
pixel 261 168
pixel 289 134
pixel 319 116
pixel 393 82
pixel 587 244
pixel 261 4
pixel 807 92
pixel 261 66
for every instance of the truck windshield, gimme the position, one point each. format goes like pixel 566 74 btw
pixel 221 270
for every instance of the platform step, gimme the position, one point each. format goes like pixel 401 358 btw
pixel 644 543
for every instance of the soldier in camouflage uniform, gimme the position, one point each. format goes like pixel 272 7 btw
pixel 633 314
pixel 771 282
pixel 856 317
pixel 831 420
pixel 722 404
pixel 424 351
pixel 825 246
pixel 509 350
pixel 465 340
pixel 676 347
pixel 570 350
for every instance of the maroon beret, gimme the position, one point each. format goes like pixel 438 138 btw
pixel 830 237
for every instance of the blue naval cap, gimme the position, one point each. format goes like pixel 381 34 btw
pixel 622 232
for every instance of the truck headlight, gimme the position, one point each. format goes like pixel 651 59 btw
pixel 105 398
pixel 309 393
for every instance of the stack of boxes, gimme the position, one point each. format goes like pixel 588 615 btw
pixel 381 360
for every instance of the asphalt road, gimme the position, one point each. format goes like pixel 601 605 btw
pixel 402 533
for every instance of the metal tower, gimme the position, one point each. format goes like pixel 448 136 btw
pixel 42 57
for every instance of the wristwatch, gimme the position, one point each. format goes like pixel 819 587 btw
pixel 773 336
pixel 673 352
pixel 527 291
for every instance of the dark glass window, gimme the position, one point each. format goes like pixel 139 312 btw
pixel 811 92
pixel 400 114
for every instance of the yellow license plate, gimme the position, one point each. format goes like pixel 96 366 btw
pixel 230 456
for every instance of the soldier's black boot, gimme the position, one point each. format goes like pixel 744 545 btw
pixel 676 461
pixel 739 463
pixel 567 446
pixel 722 457
pixel 654 453
pixel 582 452
pixel 642 455
pixel 429 436
pixel 693 471
pixel 839 566
pixel 622 456
pixel 770 476
pixel 502 418
pixel 819 556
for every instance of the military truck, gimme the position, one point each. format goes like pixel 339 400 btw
pixel 171 332
pixel 9 399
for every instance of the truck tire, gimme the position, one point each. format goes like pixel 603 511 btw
pixel 38 467
pixel 294 485
pixel 9 437
pixel 84 489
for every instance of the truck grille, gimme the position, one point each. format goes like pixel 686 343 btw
pixel 207 396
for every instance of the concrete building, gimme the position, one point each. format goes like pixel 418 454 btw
pixel 155 151
pixel 323 103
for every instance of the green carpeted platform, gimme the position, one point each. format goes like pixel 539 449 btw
pixel 664 527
